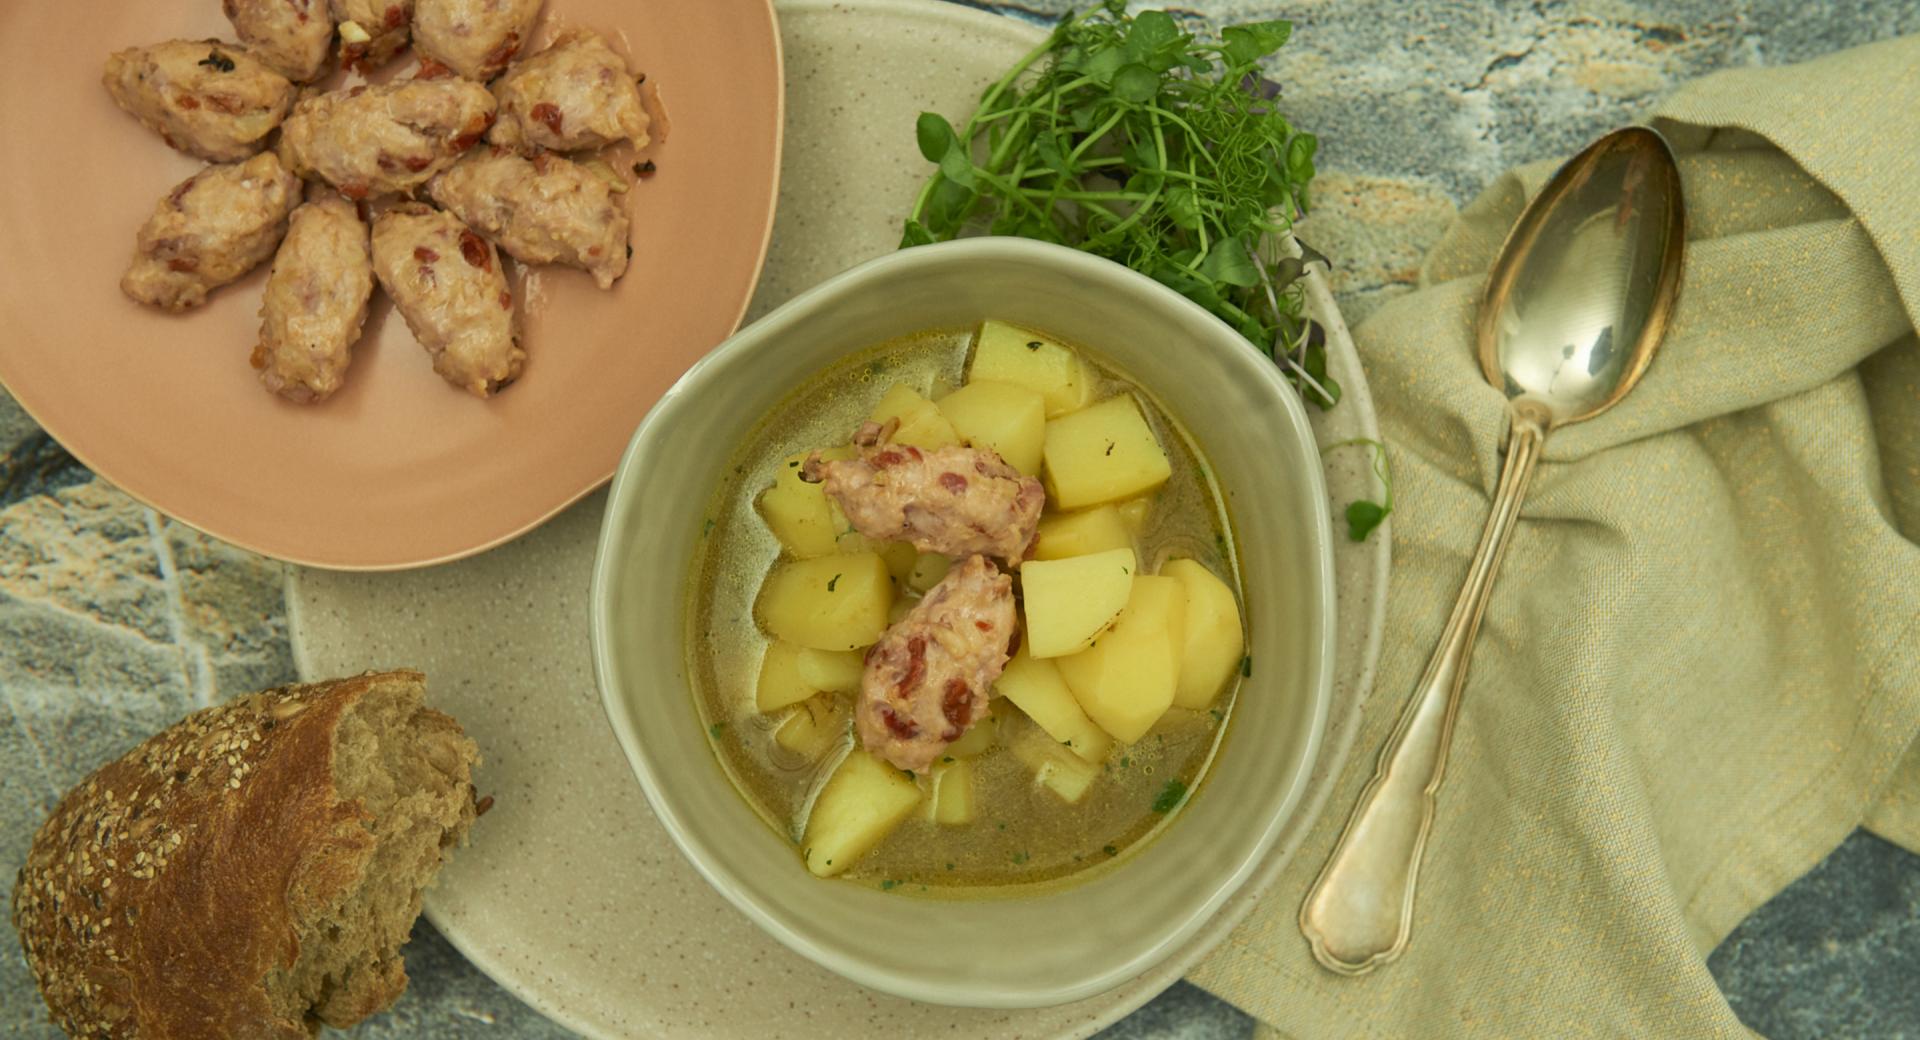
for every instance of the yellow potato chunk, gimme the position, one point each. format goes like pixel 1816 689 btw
pixel 1065 775
pixel 1133 513
pixel 1126 680
pixel 1214 640
pixel 1009 354
pixel 900 557
pixel 976 741
pixel 1103 453
pixel 1011 420
pixel 952 802
pixel 815 728
pixel 861 804
pixel 797 512
pixel 831 671
pixel 928 571
pixel 851 542
pixel 921 423
pixel 1080 534
pixel 780 684
pixel 1069 602
pixel 1056 768
pixel 1036 688
pixel 836 602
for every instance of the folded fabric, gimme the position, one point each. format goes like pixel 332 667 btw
pixel 1700 669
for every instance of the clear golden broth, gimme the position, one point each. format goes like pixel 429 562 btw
pixel 1023 834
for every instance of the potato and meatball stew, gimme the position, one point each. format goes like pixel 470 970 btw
pixel 965 615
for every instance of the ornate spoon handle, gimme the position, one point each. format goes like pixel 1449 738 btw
pixel 1359 913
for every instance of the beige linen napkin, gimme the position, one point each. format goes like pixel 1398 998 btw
pixel 1701 667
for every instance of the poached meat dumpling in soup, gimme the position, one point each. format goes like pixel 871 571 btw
pixel 926 680
pixel 991 640
pixel 953 501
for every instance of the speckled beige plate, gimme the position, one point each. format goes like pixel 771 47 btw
pixel 571 895
pixel 398 469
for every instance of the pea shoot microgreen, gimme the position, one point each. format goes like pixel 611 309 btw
pixel 1364 515
pixel 1128 137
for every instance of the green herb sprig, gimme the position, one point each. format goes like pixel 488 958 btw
pixel 1170 797
pixel 1364 515
pixel 1130 138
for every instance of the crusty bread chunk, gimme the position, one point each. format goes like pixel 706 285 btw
pixel 253 870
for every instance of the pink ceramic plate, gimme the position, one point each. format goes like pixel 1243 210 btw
pixel 398 469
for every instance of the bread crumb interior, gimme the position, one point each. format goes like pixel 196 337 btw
pixel 408 769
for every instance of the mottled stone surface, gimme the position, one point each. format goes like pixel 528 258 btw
pixel 114 622
pixel 1837 954
pixel 1376 231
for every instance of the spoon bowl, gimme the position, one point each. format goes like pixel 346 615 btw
pixel 1576 304
pixel 1584 288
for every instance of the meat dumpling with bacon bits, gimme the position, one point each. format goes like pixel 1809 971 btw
pixel 211 229
pixel 205 98
pixel 290 36
pixel 316 301
pixel 542 211
pixel 953 501
pixel 576 94
pixel 447 283
pixel 372 31
pixel 371 141
pixel 926 681
pixel 476 38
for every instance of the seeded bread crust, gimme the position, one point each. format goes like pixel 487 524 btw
pixel 165 888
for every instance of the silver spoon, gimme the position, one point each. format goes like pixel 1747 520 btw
pixel 1578 300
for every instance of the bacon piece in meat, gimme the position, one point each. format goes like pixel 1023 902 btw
pixel 928 678
pixel 952 501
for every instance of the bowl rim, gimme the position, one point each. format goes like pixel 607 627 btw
pixel 656 424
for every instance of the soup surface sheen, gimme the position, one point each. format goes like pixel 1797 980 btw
pixel 1022 832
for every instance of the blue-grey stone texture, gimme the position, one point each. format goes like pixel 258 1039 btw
pixel 115 621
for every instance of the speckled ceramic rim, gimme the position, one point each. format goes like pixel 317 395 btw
pixel 706 386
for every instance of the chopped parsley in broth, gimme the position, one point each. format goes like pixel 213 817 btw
pixel 852 684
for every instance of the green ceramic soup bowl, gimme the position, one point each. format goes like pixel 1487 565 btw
pixel 1041 946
